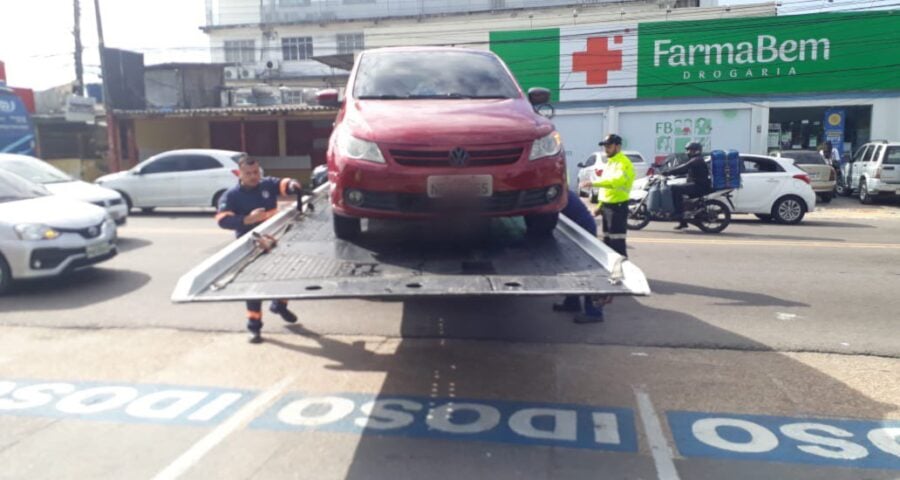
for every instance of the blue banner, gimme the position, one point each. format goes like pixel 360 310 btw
pixel 835 119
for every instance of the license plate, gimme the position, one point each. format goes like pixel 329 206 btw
pixel 97 249
pixel 441 186
pixel 813 176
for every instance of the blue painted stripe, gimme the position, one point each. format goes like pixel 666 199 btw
pixel 410 416
pixel 116 402
pixel 816 441
pixel 26 140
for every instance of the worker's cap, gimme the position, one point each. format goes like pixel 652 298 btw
pixel 611 139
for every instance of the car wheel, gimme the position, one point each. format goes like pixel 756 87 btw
pixel 5 275
pixel 216 197
pixel 764 217
pixel 826 197
pixel 789 210
pixel 128 204
pixel 864 196
pixel 346 228
pixel 541 223
pixel 147 209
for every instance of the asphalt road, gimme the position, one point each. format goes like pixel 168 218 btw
pixel 774 322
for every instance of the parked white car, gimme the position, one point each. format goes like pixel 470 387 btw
pixel 773 189
pixel 873 172
pixel 44 235
pixel 177 178
pixel 592 168
pixel 60 183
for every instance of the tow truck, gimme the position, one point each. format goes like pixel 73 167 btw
pixel 404 259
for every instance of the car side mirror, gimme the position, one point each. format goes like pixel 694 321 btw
pixel 580 165
pixel 538 96
pixel 328 98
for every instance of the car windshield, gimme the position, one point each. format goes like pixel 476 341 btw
pixel 35 170
pixel 805 158
pixel 433 75
pixel 14 188
pixel 635 158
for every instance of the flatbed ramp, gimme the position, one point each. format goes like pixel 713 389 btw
pixel 398 259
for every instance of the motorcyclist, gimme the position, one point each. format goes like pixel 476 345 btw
pixel 698 182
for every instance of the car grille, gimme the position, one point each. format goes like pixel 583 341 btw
pixel 441 158
pixel 88 233
pixel 421 203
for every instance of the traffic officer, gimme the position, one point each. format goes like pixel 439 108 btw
pixel 244 206
pixel 615 190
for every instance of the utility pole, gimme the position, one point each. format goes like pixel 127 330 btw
pixel 111 125
pixel 79 67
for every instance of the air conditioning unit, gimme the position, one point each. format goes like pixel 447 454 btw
pixel 239 73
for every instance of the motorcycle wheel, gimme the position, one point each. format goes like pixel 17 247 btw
pixel 713 217
pixel 638 216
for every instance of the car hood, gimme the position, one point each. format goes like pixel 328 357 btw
pixel 114 176
pixel 52 210
pixel 443 122
pixel 82 191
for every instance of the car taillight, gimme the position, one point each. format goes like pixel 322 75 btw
pixel 651 171
pixel 878 172
pixel 832 176
pixel 599 172
pixel 236 172
pixel 802 176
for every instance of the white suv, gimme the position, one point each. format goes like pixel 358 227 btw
pixel 873 171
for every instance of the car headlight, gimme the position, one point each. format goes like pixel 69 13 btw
pixel 35 231
pixel 547 146
pixel 350 146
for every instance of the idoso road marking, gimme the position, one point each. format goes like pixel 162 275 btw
pixel 844 443
pixel 558 425
pixel 117 402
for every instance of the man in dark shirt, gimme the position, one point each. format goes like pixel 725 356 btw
pixel 242 208
pixel 698 182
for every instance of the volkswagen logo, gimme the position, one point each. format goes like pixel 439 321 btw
pixel 459 157
pixel 93 231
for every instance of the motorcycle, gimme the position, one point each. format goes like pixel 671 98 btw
pixel 709 212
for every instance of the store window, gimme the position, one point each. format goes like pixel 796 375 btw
pixel 804 128
pixel 240 51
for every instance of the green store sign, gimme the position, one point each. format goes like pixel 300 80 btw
pixel 829 52
pixel 818 53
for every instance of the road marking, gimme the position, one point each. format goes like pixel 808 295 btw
pixel 659 447
pixel 190 458
pixel 127 231
pixel 756 243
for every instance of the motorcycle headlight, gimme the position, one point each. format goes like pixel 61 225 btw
pixel 350 146
pixel 35 231
pixel 547 146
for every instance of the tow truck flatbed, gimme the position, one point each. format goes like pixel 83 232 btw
pixel 394 260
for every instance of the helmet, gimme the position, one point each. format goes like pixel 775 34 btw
pixel 694 146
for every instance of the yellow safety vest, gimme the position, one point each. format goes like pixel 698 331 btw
pixel 615 183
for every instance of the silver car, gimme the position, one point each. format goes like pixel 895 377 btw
pixel 60 183
pixel 44 235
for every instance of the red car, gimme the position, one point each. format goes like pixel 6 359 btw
pixel 426 131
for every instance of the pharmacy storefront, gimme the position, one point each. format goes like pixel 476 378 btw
pixel 754 84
